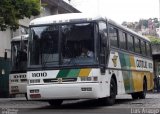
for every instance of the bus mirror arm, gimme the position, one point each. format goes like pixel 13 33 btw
pixel 103 69
pixel 102 64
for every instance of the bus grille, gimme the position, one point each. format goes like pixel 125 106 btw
pixel 23 80
pixel 56 80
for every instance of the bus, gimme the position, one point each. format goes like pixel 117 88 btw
pixel 57 69
pixel 17 77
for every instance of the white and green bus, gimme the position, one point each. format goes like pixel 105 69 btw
pixel 17 76
pixel 115 60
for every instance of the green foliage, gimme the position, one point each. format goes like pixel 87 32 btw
pixel 13 10
pixel 154 40
pixel 143 22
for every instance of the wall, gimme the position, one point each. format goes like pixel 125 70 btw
pixel 5 38
pixel 4 77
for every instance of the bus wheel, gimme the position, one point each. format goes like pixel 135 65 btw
pixel 113 92
pixel 12 95
pixel 142 95
pixel 55 103
pixel 109 101
pixel 135 95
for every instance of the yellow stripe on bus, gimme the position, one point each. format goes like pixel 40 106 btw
pixel 137 81
pixel 84 72
pixel 132 62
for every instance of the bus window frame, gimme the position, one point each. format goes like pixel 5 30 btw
pixel 132 36
pixel 106 47
pixel 126 44
pixel 128 33
pixel 29 66
pixel 145 50
pixel 113 26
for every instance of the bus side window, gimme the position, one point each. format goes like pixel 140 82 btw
pixel 148 49
pixel 143 47
pixel 123 40
pixel 103 31
pixel 137 45
pixel 113 35
pixel 130 43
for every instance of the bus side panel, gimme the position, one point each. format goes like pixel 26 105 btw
pixel 150 83
pixel 131 71
pixel 137 81
pixel 114 67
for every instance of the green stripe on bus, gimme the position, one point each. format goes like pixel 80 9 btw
pixel 127 75
pixel 73 73
pixel 126 80
pixel 127 61
pixel 122 60
pixel 63 73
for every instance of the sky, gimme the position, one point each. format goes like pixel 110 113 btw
pixel 120 10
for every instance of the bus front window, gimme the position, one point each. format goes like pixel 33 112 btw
pixel 78 44
pixel 44 45
pixel 63 45
pixel 19 55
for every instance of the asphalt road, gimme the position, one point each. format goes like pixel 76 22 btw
pixel 124 105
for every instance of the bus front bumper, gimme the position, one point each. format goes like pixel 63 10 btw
pixel 17 88
pixel 64 91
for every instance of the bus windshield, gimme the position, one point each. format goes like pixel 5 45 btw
pixel 63 45
pixel 19 55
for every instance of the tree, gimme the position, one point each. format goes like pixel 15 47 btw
pixel 154 40
pixel 124 23
pixel 143 22
pixel 13 10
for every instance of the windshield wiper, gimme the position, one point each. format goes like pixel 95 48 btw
pixel 45 61
pixel 46 58
pixel 72 60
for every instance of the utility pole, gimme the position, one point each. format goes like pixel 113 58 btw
pixel 98 6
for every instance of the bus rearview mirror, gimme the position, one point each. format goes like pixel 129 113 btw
pixel 103 40
pixel 102 64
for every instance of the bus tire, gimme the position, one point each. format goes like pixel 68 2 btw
pixel 134 95
pixel 142 95
pixel 12 95
pixel 55 103
pixel 109 101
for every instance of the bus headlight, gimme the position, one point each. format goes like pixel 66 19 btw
pixel 34 81
pixel 94 78
pixel 86 79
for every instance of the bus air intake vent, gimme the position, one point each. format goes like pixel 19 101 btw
pixel 56 80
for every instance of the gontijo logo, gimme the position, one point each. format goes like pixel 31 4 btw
pixel 42 74
pixel 114 60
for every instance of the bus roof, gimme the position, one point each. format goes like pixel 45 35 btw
pixel 62 18
pixel 20 37
pixel 75 17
